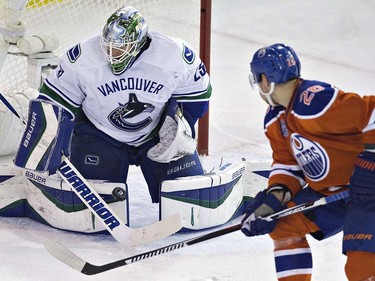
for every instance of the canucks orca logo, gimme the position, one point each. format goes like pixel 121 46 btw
pixel 128 110
pixel 188 55
pixel 311 156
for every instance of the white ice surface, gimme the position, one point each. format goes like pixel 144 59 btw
pixel 335 43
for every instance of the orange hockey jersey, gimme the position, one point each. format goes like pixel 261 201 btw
pixel 316 139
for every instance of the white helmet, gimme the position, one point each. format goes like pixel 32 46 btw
pixel 122 38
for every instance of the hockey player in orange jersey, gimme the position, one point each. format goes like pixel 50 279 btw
pixel 323 143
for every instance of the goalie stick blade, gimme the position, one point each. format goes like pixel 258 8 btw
pixel 156 231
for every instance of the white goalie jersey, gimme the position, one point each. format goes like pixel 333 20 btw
pixel 130 102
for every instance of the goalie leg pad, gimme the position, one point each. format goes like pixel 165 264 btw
pixel 155 173
pixel 47 135
pixel 48 199
pixel 12 196
pixel 51 201
pixel 207 200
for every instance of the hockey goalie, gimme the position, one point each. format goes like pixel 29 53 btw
pixel 126 96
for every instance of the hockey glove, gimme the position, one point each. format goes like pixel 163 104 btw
pixel 47 136
pixel 176 137
pixel 265 203
pixel 362 181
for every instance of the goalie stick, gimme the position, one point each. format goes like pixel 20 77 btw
pixel 62 253
pixel 11 108
pixel 123 234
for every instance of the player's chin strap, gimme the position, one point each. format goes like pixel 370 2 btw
pixel 268 95
pixel 254 85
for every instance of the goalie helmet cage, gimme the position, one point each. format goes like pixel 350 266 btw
pixel 71 21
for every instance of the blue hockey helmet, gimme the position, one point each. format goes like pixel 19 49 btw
pixel 278 62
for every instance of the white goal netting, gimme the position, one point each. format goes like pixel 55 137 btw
pixel 68 21
pixel 71 21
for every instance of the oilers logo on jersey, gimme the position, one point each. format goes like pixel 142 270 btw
pixel 311 156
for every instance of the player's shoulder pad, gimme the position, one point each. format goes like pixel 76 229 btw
pixel 174 49
pixel 272 114
pixel 85 54
pixel 188 54
pixel 313 99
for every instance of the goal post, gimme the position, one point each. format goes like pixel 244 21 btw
pixel 71 21
pixel 204 51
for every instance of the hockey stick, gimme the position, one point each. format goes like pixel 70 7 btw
pixel 62 253
pixel 11 108
pixel 123 234
pixel 310 205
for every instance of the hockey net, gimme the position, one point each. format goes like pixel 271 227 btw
pixel 71 21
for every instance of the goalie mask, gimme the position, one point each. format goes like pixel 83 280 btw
pixel 123 36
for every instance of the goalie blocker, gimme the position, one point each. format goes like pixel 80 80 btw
pixel 48 134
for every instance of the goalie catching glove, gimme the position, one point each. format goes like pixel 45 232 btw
pixel 266 202
pixel 176 137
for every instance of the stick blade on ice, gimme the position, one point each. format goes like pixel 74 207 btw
pixel 156 231
pixel 63 254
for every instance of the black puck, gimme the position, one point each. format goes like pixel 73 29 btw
pixel 119 193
